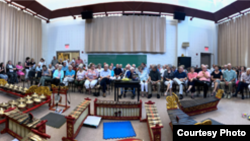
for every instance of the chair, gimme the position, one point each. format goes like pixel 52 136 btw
pixel 72 84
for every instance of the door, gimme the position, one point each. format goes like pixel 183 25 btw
pixel 67 55
pixel 206 59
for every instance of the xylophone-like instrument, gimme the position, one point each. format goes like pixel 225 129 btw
pixel 76 118
pixel 153 121
pixel 33 137
pixel 121 110
pixel 19 124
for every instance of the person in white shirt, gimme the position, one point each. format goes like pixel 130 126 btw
pixel 208 69
pixel 224 69
pixel 73 61
pixel 99 68
pixel 66 61
pixel 163 70
pixel 42 62
pixel 127 69
pixel 212 68
pixel 51 68
pixel 121 67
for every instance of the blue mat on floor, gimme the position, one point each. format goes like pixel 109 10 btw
pixel 117 130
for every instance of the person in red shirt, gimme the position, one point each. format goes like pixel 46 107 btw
pixel 74 67
pixel 191 81
pixel 79 61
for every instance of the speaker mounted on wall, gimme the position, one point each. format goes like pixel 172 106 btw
pixel 87 15
pixel 179 15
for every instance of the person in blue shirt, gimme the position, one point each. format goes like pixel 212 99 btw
pixel 69 76
pixel 58 76
pixel 180 78
pixel 144 67
pixel 112 71
pixel 65 67
pixel 38 71
pixel 105 75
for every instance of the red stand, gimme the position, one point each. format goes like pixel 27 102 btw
pixel 63 92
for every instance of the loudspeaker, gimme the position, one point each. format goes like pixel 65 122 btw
pixel 87 15
pixel 179 15
pixel 186 61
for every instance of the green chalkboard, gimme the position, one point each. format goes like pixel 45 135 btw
pixel 118 59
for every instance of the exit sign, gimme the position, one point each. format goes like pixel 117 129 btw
pixel 206 48
pixel 66 46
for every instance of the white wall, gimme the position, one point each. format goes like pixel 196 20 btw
pixel 198 32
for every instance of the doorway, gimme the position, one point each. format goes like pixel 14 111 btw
pixel 67 55
pixel 206 59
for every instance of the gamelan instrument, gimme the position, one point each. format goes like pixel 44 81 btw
pixel 33 137
pixel 120 110
pixel 19 124
pixel 153 121
pixel 76 118
pixel 21 92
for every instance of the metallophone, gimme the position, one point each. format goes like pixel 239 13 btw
pixel 119 110
pixel 33 137
pixel 76 118
pixel 19 124
pixel 153 121
pixel 26 103
pixel 13 90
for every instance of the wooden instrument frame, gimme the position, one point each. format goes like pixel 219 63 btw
pixel 118 106
pixel 40 128
pixel 14 93
pixel 63 92
pixel 71 122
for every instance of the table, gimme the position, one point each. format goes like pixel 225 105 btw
pixel 126 84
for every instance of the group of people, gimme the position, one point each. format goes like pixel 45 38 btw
pixel 64 72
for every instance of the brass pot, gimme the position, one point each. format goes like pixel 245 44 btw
pixel 4 105
pixel 22 106
pixel 28 97
pixel 13 102
pixel 21 99
pixel 43 97
pixel 20 89
pixel 6 86
pixel 35 95
pixel 16 88
pixel 11 86
pixel 1 112
pixel 12 106
pixel 24 90
pixel 37 100
pixel 29 103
